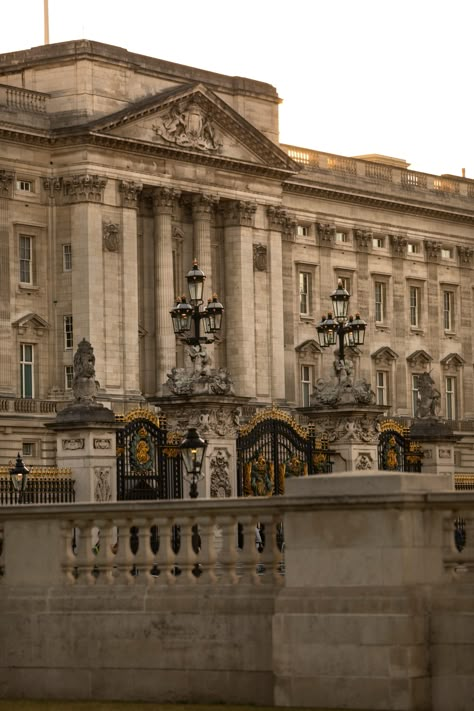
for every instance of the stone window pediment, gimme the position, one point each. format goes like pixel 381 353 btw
pixel 31 321
pixel 419 359
pixel 308 350
pixel 384 356
pixel 453 361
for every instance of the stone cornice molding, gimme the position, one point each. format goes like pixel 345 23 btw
pixel 399 245
pixel 326 233
pixel 239 212
pixel 432 250
pixel 363 239
pixel 164 199
pixel 83 188
pixel 339 194
pixel 6 183
pixel 465 256
pixel 130 191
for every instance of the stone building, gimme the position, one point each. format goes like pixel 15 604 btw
pixel 116 170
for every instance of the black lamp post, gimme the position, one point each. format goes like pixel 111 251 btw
pixel 185 314
pixel 193 448
pixel 336 327
pixel 19 477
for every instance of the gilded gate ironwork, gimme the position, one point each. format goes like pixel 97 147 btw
pixel 148 461
pixel 271 448
pixel 396 450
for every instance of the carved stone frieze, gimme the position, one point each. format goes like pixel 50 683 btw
pixel 210 421
pixel 84 188
pixel 6 183
pixel 220 479
pixel 72 444
pixel 399 245
pixel 239 212
pixel 465 255
pixel 102 443
pixel 130 192
pixel 259 257
pixel 164 200
pixel 433 250
pixel 327 233
pixel 102 488
pixel 363 239
pixel 362 428
pixel 188 125
pixel 111 236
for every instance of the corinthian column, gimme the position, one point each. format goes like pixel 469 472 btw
pixel 202 212
pixel 165 344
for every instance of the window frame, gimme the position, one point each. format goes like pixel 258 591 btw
pixel 306 384
pixel 414 389
pixel 67 257
pixel 449 310
pixel 68 332
pixel 305 274
pixel 27 384
pixel 450 398
pixel 68 377
pixel 23 259
pixel 414 308
pixel 380 306
pixel 382 389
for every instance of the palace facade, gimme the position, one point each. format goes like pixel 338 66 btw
pixel 117 170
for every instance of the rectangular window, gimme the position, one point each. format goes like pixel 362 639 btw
pixel 28 449
pixel 447 253
pixel 450 394
pixel 302 231
pixel 413 248
pixel 68 376
pixel 24 185
pixel 27 385
pixel 448 310
pixel 414 393
pixel 68 333
pixel 26 259
pixel 381 378
pixel 67 257
pixel 305 293
pixel 380 301
pixel 306 384
pixel 415 306
pixel 378 242
pixel 342 237
pixel 345 282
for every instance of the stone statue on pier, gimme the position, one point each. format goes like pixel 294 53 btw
pixel 341 389
pixel 428 402
pixel 202 379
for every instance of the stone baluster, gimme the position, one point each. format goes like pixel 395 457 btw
pixel 249 555
pixel 228 553
pixel 207 554
pixel 105 556
pixel 124 559
pixel 165 342
pixel 165 560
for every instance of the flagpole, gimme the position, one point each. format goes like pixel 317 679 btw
pixel 46 22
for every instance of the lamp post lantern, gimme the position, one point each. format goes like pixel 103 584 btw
pixel 19 477
pixel 337 328
pixel 193 448
pixel 187 317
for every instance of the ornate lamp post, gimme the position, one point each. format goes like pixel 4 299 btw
pixel 338 328
pixel 193 448
pixel 19 477
pixel 187 317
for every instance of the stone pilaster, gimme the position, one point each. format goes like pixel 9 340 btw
pixel 466 255
pixel 7 378
pixel 274 263
pixel 399 250
pixel 165 342
pixel 202 207
pixel 240 301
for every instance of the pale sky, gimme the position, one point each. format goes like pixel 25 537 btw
pixel 356 76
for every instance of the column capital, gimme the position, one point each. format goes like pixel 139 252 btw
pixel 399 245
pixel 432 250
pixel 6 183
pixel 84 188
pixel 53 186
pixel 327 233
pixel 239 212
pixel 164 199
pixel 465 255
pixel 276 217
pixel 130 192
pixel 203 204
pixel 363 239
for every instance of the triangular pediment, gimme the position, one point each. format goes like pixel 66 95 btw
pixel 452 360
pixel 419 358
pixel 192 119
pixel 384 355
pixel 31 320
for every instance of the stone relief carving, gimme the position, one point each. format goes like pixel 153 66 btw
pixel 111 237
pixel 100 443
pixel 130 192
pixel 357 428
pixel 465 254
pixel 364 461
pixel 399 245
pixel 433 249
pixel 220 480
pixel 220 421
pixel 52 186
pixel 260 257
pixel 444 453
pixel 6 182
pixel 363 238
pixel 187 124
pixel 77 443
pixel 341 389
pixel 102 489
pixel 326 232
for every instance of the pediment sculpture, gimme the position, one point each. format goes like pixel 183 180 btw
pixel 188 125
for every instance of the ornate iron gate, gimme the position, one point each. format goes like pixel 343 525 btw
pixel 273 447
pixel 148 461
pixel 397 452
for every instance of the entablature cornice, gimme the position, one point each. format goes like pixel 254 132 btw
pixel 379 202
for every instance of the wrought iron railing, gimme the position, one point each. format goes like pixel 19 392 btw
pixel 46 485
pixel 464 482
